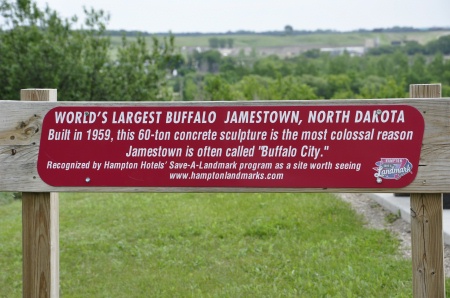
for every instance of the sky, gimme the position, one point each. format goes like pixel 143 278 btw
pixel 179 16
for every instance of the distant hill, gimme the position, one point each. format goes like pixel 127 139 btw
pixel 293 42
pixel 395 29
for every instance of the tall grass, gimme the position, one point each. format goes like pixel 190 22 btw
pixel 212 245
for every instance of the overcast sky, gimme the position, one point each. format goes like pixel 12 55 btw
pixel 260 15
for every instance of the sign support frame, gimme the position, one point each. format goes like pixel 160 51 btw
pixel 40 217
pixel 427 246
pixel 40 229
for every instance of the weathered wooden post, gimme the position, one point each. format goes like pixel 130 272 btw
pixel 426 228
pixel 40 229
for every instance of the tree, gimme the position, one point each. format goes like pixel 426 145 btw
pixel 290 88
pixel 288 29
pixel 304 66
pixel 441 45
pixel 413 47
pixel 222 43
pixel 271 66
pixel 339 64
pixel 339 84
pixel 437 67
pixel 254 87
pixel 39 49
pixel 212 59
pixel 213 42
pixel 207 61
pixel 230 42
pixel 190 89
pixel 319 85
pixel 418 71
pixel 216 88
pixel 377 87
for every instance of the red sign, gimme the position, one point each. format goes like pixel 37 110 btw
pixel 369 146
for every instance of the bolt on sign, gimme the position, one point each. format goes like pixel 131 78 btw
pixel 263 146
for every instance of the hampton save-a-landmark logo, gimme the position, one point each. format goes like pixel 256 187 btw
pixel 392 168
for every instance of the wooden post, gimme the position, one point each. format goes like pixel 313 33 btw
pixel 426 228
pixel 40 229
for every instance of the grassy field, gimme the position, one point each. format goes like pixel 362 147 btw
pixel 311 40
pixel 212 245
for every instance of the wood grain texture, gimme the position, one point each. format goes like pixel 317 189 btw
pixel 427 243
pixel 18 154
pixel 40 244
pixel 40 212
pixel 425 90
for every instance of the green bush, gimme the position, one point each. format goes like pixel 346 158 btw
pixel 6 198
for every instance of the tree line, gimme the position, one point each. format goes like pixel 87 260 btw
pixel 412 47
pixel 395 29
pixel 314 74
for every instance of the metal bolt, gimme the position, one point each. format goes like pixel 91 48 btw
pixel 88 179
pixel 379 180
pixel 379 112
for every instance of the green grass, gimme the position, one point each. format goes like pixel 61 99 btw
pixel 316 40
pixel 212 245
pixel 257 41
pixel 392 217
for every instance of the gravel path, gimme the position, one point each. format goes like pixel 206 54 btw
pixel 375 217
